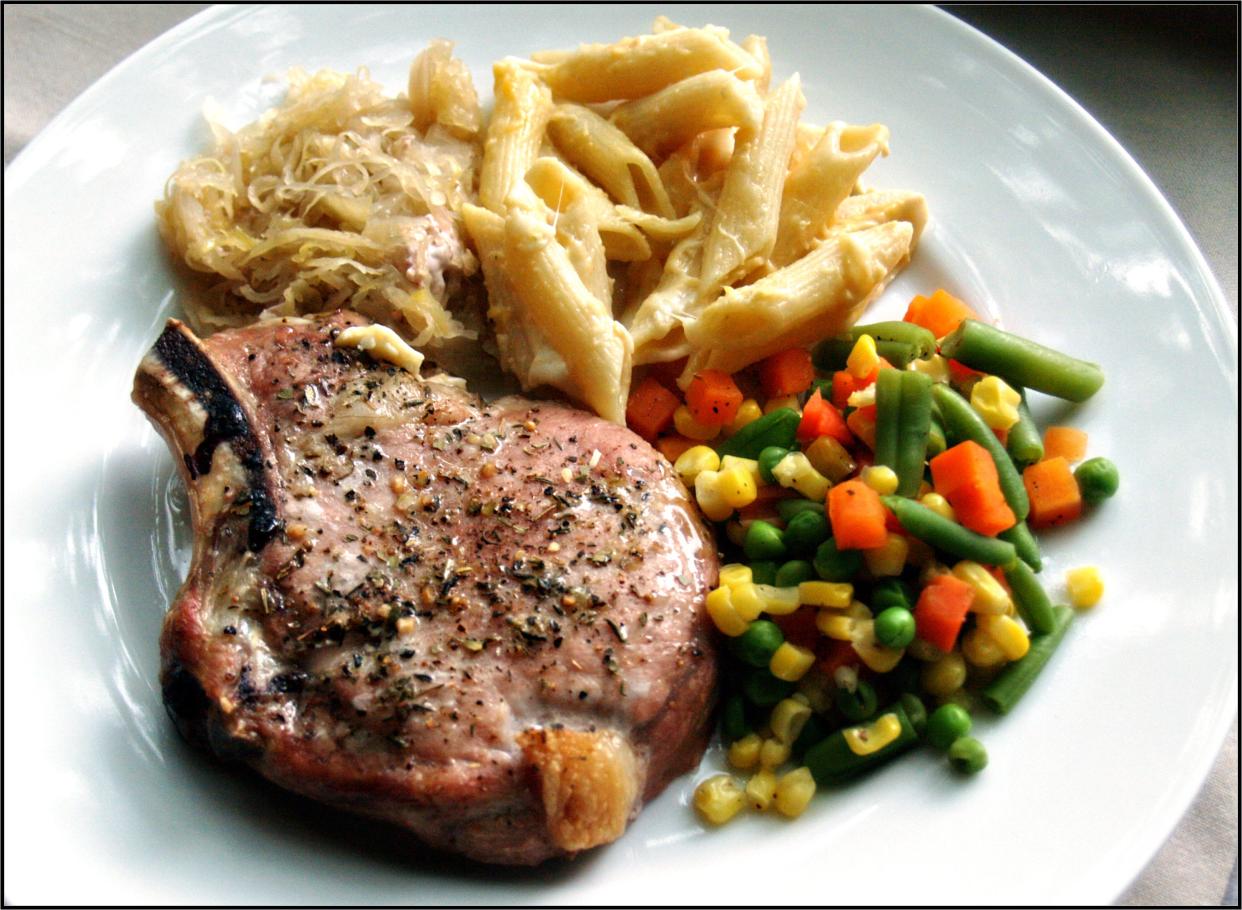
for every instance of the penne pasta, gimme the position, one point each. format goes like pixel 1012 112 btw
pixel 560 186
pixel 744 229
pixel 818 296
pixel 634 67
pixel 821 182
pixel 514 133
pixel 881 206
pixel 757 47
pixel 671 117
pixel 606 155
pixel 578 232
pixel 657 325
pixel 598 350
pixel 661 230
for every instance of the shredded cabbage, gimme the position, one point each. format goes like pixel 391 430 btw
pixel 338 197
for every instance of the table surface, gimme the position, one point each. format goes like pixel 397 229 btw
pixel 1163 81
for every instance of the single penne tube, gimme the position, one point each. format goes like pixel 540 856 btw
pixel 671 117
pixel 805 138
pixel 656 325
pixel 515 131
pixel 524 351
pixel 606 155
pixel 598 350
pixel 818 296
pixel 560 186
pixel 744 229
pixel 578 231
pixel 879 207
pixel 757 47
pixel 821 182
pixel 638 66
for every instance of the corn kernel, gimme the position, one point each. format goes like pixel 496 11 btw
pixel 773 753
pixel 863 359
pixel 744 752
pixel 980 650
pixel 816 688
pixel 881 478
pixel 734 574
pixel 795 471
pixel 736 487
pixel 788 718
pixel 831 459
pixel 1008 634
pixel 835 625
pixel 747 413
pixel 794 792
pixel 1086 587
pixel 935 366
pixel 749 465
pixel 888 559
pixel 995 402
pixel 760 789
pixel 719 798
pixel 695 460
pixel 687 426
pixel 747 601
pixel 720 608
pixel 790 662
pixel 785 401
pixel 869 738
pixel 939 505
pixel 834 595
pixel 990 595
pixel 871 652
pixel 777 601
pixel 945 676
pixel 707 494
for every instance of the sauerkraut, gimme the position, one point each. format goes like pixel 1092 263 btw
pixel 339 197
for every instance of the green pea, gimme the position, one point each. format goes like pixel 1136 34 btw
pixel 768 459
pixel 891 592
pixel 788 508
pixel 758 643
pixel 1098 480
pixel 967 755
pixel 915 710
pixel 764 541
pixel 733 723
pixel 764 689
pixel 857 705
pixel 894 627
pixel 806 531
pixel 832 564
pixel 793 573
pixel 763 572
pixel 947 724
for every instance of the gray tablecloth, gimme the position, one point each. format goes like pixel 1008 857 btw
pixel 1164 83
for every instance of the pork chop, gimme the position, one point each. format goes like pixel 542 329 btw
pixel 483 622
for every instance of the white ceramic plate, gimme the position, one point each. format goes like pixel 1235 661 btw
pixel 1040 219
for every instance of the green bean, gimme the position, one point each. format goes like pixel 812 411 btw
pixel 831 354
pixel 1025 543
pixel 962 423
pixel 776 428
pixel 1029 597
pixel 935 437
pixel 1024 445
pixel 1013 682
pixel 912 430
pixel 831 760
pixel 788 508
pixel 915 710
pixel 948 535
pixel 920 340
pixel 857 705
pixel 1021 362
pixel 887 416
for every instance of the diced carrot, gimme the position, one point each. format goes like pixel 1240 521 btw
pixel 941 610
pixel 1053 491
pixel 861 423
pixel 672 447
pixel 713 398
pixel 1065 442
pixel 856 516
pixel 941 313
pixel 788 372
pixel 966 476
pixel 820 418
pixel 834 654
pixel 799 627
pixel 649 412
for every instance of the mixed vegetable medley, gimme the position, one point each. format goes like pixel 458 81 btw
pixel 879 506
